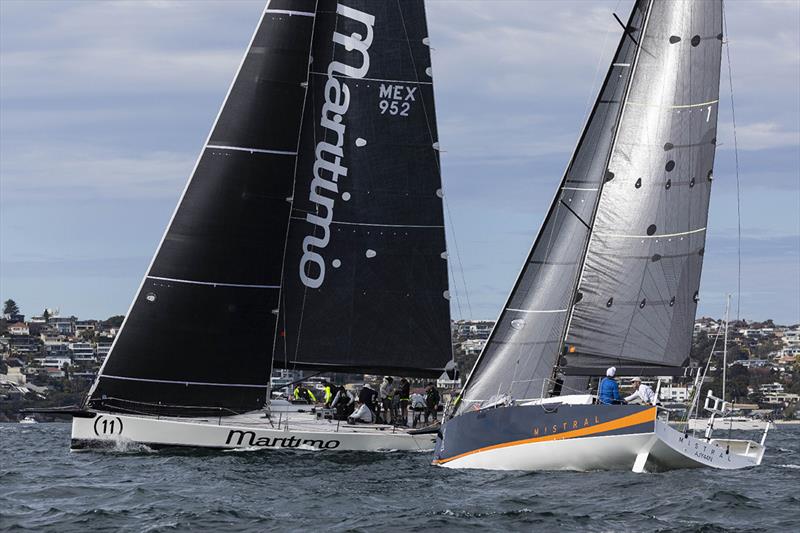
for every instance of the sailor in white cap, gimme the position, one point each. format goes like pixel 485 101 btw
pixel 642 393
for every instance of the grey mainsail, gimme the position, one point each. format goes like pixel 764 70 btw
pixel 613 274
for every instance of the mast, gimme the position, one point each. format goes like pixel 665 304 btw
pixel 725 347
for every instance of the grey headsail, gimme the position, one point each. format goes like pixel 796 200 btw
pixel 615 267
pixel 199 332
pixel 365 278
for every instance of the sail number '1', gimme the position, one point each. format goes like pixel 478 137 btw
pixel 396 99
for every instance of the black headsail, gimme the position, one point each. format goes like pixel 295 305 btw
pixel 199 332
pixel 365 277
pixel 615 268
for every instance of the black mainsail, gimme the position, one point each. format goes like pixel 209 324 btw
pixel 614 274
pixel 332 106
pixel 366 269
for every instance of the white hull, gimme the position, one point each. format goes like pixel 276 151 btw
pixel 733 423
pixel 250 431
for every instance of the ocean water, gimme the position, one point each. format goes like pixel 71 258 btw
pixel 44 487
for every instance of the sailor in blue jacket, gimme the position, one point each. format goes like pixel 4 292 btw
pixel 608 390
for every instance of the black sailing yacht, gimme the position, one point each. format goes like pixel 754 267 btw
pixel 613 276
pixel 310 236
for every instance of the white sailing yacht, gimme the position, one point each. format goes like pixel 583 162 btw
pixel 613 276
pixel 727 420
pixel 310 236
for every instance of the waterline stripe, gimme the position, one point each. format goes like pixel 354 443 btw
pixel 698 230
pixel 251 150
pixel 171 382
pixel 216 284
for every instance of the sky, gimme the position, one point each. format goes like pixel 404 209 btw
pixel 104 107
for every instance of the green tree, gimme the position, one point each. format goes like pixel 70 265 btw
pixel 114 321
pixel 46 315
pixel 10 307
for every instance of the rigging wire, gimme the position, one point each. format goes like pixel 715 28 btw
pixel 736 159
pixel 439 166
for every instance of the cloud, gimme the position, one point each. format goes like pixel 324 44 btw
pixel 759 136
pixel 77 171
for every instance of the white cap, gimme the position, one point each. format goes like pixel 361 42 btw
pixel 636 379
pixel 611 372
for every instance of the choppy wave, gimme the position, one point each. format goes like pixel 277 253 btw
pixel 130 487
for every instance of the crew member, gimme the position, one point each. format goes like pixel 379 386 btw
pixel 364 406
pixel 417 406
pixel 608 390
pixel 303 393
pixel 404 392
pixel 328 392
pixel 431 401
pixel 643 394
pixel 386 393
pixel 344 402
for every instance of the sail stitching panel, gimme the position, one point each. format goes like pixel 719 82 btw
pixel 215 283
pixel 251 150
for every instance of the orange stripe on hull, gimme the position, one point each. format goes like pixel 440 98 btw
pixel 619 423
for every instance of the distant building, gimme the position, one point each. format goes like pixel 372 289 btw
pixel 82 352
pixel 18 328
pixel 473 346
pixel 23 345
pixel 64 325
pixel 674 393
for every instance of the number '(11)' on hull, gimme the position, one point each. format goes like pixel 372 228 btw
pixel 581 437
